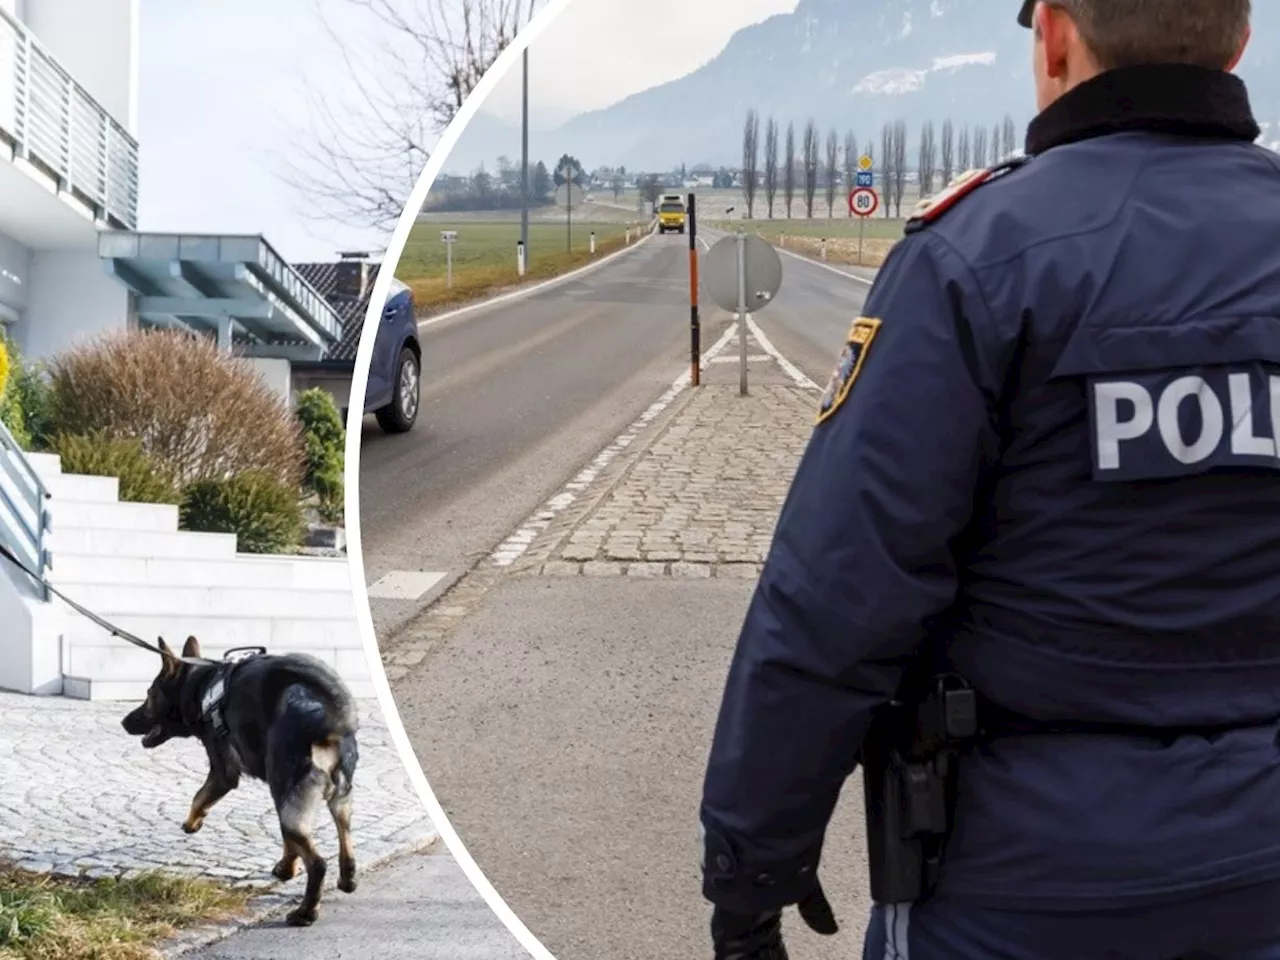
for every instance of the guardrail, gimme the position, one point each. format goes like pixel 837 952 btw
pixel 54 124
pixel 24 509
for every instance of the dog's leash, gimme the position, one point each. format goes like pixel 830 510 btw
pixel 107 625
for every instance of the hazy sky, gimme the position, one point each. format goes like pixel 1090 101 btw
pixel 221 96
pixel 616 45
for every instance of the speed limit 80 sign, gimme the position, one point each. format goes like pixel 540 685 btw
pixel 863 202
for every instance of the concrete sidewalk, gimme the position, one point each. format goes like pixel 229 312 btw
pixel 420 907
pixel 585 682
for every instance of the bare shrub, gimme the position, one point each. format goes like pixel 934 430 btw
pixel 199 413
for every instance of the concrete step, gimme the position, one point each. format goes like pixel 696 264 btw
pixel 80 488
pixel 45 464
pixel 219 631
pixel 132 691
pixel 143 544
pixel 102 515
pixel 75 569
pixel 123 662
pixel 277 602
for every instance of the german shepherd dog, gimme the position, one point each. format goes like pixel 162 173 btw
pixel 287 720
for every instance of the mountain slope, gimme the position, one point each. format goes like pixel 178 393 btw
pixel 848 65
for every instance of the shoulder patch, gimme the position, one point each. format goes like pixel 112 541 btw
pixel 932 209
pixel 857 343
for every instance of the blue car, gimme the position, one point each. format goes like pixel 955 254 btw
pixel 395 369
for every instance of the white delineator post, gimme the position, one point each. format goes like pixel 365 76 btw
pixel 742 313
pixel 593 243
pixel 520 262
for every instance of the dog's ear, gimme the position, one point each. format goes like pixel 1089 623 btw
pixel 191 648
pixel 169 662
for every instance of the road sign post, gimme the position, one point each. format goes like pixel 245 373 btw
pixel 744 274
pixel 569 196
pixel 695 328
pixel 863 202
pixel 448 238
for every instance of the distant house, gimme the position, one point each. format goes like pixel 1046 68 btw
pixel 346 285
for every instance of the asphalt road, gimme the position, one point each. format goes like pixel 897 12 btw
pixel 518 396
pixel 421 907
pixel 515 398
pixel 564 726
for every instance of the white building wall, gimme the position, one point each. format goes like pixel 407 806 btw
pixel 277 375
pixel 15 278
pixel 71 298
pixel 96 42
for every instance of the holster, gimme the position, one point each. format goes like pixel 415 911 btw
pixel 909 766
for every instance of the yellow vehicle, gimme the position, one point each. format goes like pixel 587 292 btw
pixel 671 214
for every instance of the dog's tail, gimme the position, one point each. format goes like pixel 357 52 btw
pixel 323 682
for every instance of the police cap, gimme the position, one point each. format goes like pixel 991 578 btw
pixel 1024 16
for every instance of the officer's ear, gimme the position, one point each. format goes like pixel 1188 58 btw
pixel 1244 45
pixel 1060 40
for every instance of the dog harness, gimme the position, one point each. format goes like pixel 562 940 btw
pixel 213 702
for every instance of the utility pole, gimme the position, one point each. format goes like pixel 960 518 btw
pixel 524 161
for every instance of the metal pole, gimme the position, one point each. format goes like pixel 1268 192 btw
pixel 695 327
pixel 742 313
pixel 568 215
pixel 524 163
pixel 448 253
pixel 862 229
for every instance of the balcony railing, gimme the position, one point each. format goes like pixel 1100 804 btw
pixel 51 122
pixel 24 510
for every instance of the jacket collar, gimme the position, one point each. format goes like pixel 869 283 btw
pixel 1175 99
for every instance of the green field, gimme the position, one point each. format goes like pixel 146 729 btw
pixel 484 255
pixel 876 228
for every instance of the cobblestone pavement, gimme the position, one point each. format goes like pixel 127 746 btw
pixel 702 500
pixel 698 497
pixel 80 797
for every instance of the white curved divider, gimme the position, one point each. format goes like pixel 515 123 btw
pixel 359 379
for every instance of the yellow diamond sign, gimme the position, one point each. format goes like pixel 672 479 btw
pixel 865 163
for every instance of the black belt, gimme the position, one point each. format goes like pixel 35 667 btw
pixel 997 721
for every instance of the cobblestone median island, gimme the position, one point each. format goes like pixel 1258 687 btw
pixel 704 498
pixel 79 797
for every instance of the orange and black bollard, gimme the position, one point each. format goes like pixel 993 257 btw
pixel 695 328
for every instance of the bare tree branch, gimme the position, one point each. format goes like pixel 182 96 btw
pixel 771 163
pixel 357 161
pixel 850 161
pixel 832 172
pixel 899 165
pixel 789 169
pixel 750 160
pixel 811 149
pixel 886 166
pixel 948 152
pixel 928 159
pixel 964 152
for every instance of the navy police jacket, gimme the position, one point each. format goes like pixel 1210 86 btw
pixel 1051 446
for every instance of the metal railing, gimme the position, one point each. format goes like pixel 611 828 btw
pixel 24 509
pixel 54 124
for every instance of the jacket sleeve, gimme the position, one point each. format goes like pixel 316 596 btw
pixel 862 557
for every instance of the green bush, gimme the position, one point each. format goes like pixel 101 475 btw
pixel 324 440
pixel 202 413
pixel 143 479
pixel 261 511
pixel 33 395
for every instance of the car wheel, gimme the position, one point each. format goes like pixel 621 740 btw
pixel 399 415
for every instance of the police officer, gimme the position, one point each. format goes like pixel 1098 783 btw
pixel 1050 454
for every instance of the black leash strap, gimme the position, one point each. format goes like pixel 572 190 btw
pixel 106 625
